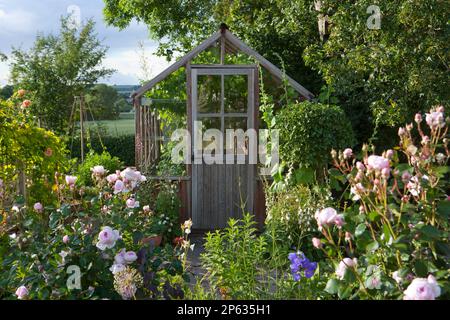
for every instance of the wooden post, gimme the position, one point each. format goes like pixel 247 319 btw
pixel 81 100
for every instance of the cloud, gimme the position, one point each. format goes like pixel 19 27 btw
pixel 128 65
pixel 17 21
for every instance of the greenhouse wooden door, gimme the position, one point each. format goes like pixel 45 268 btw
pixel 223 97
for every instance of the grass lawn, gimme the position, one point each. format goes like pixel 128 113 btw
pixel 114 127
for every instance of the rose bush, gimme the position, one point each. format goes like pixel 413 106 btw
pixel 388 237
pixel 90 245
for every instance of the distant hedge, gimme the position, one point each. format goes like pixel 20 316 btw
pixel 121 147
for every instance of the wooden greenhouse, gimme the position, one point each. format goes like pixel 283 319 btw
pixel 212 193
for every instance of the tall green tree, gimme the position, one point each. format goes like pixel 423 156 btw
pixel 382 76
pixel 57 68
pixel 102 100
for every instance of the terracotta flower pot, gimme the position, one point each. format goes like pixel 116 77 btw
pixel 155 240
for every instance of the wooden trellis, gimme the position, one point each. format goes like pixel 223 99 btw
pixel 148 134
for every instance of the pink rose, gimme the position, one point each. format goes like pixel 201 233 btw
pixel 435 119
pixel 325 217
pixel 316 243
pixel 26 104
pixel 406 176
pixel 38 207
pixel 360 166
pixel 112 178
pixel 339 220
pixel 389 154
pixel 107 238
pixel 377 163
pixel 422 289
pixel 21 93
pixel 401 131
pixel 48 152
pixel 418 118
pixel 130 257
pixel 132 203
pixel 119 186
pixel 66 239
pixel 70 180
pixel 386 172
pixel 343 265
pixel 347 153
pixel 98 170
pixel 22 292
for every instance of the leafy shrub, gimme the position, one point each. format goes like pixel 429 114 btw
pixel 391 239
pixel 239 267
pixel 27 148
pixel 121 147
pixel 290 216
pixel 84 172
pixel 39 244
pixel 308 131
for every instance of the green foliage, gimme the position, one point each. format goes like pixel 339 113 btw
pixel 92 159
pixel 290 216
pixel 308 132
pixel 34 253
pixel 104 102
pixel 24 147
pixel 121 147
pixel 57 68
pixel 396 225
pixel 181 26
pixel 6 92
pixel 384 75
pixel 239 266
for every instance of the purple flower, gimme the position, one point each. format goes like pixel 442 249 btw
pixel 299 264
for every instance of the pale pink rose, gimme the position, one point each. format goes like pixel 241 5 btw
pixel 406 176
pixel 389 154
pixel 360 166
pixel 377 163
pixel 112 178
pixel 38 207
pixel 66 239
pixel 422 289
pixel 132 203
pixel 425 140
pixel 348 236
pixel 317 243
pixel 357 191
pixel 146 208
pixel 21 93
pixel 435 119
pixel 120 257
pixel 70 180
pixel 401 131
pixel 343 265
pixel 98 171
pixel 418 118
pixel 115 268
pixel 339 220
pixel 22 292
pixel 440 109
pixel 130 257
pixel 396 277
pixel 325 217
pixel 107 238
pixel 119 186
pixel 347 153
pixel 386 172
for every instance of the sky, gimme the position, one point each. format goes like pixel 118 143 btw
pixel 22 20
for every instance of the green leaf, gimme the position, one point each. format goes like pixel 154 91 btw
pixel 372 246
pixel 332 286
pixel 421 268
pixel 360 229
pixel 430 231
pixel 443 208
